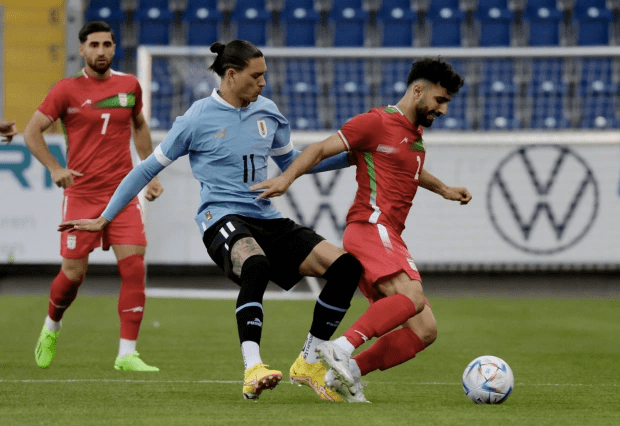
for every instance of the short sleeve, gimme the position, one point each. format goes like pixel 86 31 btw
pixel 177 142
pixel 358 133
pixel 56 102
pixel 137 108
pixel 282 140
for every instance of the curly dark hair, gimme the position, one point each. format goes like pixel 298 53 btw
pixel 437 72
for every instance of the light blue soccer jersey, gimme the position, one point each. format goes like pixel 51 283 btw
pixel 228 151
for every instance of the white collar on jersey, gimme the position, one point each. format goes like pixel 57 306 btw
pixel 221 100
pixel 398 109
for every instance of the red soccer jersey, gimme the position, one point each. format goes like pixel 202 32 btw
pixel 96 119
pixel 390 156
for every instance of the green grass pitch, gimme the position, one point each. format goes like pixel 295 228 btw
pixel 565 354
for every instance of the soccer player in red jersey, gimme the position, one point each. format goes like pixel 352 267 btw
pixel 389 152
pixel 98 108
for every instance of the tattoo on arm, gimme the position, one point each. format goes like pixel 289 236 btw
pixel 243 249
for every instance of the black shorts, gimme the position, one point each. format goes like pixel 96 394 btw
pixel 285 243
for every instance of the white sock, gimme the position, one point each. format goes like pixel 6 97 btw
pixel 126 347
pixel 251 354
pixel 345 344
pixel 355 369
pixel 309 349
pixel 52 325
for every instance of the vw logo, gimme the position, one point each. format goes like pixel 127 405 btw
pixel 542 199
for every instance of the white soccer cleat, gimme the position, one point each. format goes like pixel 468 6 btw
pixel 353 393
pixel 338 359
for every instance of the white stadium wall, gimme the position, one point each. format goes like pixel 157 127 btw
pixel 540 200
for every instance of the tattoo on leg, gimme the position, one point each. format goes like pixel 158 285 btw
pixel 244 248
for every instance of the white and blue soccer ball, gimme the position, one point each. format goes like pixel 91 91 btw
pixel 488 380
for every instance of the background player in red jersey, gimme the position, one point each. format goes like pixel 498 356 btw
pixel 98 108
pixel 389 151
pixel 7 130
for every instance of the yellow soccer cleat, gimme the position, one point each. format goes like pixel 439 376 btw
pixel 45 350
pixel 313 376
pixel 259 378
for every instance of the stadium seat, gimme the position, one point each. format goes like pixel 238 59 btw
pixel 397 20
pixel 593 19
pixel 154 20
pixel 349 23
pixel 251 19
pixel 497 95
pixel 543 20
pixel 495 21
pixel 202 19
pixel 394 81
pixel 301 21
pixel 349 90
pixel 445 19
pixel 599 95
pixel 549 95
pixel 113 16
pixel 300 95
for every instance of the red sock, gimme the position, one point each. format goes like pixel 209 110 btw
pixel 131 298
pixel 63 292
pixel 389 351
pixel 382 317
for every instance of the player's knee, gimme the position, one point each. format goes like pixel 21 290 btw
pixel 429 334
pixel 346 267
pixel 256 266
pixel 416 295
pixel 132 270
pixel 75 272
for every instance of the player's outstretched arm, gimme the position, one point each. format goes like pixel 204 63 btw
pixel 7 130
pixel 454 193
pixel 309 158
pixel 144 148
pixel 33 135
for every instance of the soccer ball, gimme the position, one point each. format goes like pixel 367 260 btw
pixel 488 380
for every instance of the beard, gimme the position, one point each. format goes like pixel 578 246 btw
pixel 100 66
pixel 422 115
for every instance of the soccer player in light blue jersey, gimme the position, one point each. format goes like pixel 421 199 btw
pixel 229 137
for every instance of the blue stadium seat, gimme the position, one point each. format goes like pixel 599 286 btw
pixel 397 20
pixel 112 4
pixel 113 16
pixel 593 19
pixel 497 94
pixel 495 20
pixel 300 94
pixel 445 19
pixel 202 18
pixel 251 18
pixel 162 92
pixel 543 20
pixel 119 56
pixel 394 81
pixel 349 89
pixel 599 95
pixel 549 95
pixel 154 19
pixel 349 23
pixel 301 22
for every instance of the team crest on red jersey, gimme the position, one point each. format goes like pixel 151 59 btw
pixel 122 99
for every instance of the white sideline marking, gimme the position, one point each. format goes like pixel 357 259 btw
pixel 185 293
pixel 285 382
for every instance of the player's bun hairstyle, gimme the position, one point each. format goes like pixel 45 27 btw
pixel 235 54
pixel 95 27
pixel 437 72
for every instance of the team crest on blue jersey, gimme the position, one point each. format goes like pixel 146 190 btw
pixel 123 99
pixel 262 128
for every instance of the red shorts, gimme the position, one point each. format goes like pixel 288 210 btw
pixel 383 254
pixel 126 228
